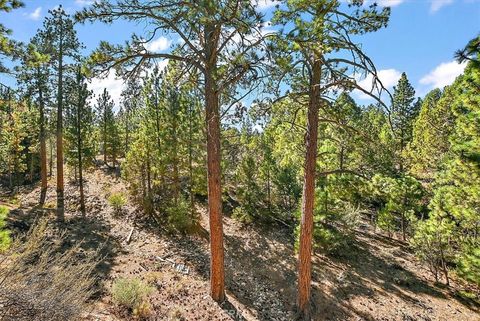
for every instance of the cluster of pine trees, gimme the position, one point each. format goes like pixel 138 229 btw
pixel 309 158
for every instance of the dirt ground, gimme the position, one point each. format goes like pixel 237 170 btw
pixel 377 279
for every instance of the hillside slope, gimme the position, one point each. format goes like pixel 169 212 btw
pixel 378 279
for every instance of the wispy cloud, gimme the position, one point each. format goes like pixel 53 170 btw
pixel 436 5
pixel 36 14
pixel 388 77
pixel 83 3
pixel 390 3
pixel 443 75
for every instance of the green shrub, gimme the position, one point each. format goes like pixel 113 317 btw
pixel 132 294
pixel 241 214
pixel 179 216
pixel 117 201
pixel 4 233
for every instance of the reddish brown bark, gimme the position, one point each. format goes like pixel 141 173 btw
pixel 306 225
pixel 212 113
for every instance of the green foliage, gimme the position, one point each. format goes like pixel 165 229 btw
pixel 18 138
pixel 131 293
pixel 456 198
pixel 431 131
pixel 179 215
pixel 432 245
pixel 404 111
pixel 166 153
pixel 400 200
pixel 248 192
pixel 469 261
pixel 117 201
pixel 4 233
pixel 8 46
pixel 107 124
pixel 79 122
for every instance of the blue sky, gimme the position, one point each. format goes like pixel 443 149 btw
pixel 420 40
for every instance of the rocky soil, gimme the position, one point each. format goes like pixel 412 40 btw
pixel 376 279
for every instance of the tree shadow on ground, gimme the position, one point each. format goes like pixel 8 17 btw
pixel 92 233
pixel 261 272
pixel 366 274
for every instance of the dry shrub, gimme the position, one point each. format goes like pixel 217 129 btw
pixel 132 294
pixel 40 282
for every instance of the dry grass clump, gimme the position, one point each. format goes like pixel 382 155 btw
pixel 133 294
pixel 40 282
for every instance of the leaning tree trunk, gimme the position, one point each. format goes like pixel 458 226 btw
pixel 306 225
pixel 212 113
pixel 60 183
pixel 43 150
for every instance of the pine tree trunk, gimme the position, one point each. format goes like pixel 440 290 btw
pixel 105 135
pixel 306 224
pixel 190 160
pixel 43 149
pixel 176 178
pixel 80 150
pixel 444 268
pixel 60 183
pixel 50 143
pixel 212 113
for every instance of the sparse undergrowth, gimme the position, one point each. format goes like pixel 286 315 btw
pixel 39 281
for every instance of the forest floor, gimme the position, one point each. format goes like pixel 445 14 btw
pixel 377 279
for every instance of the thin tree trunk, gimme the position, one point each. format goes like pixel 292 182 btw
pixel 50 143
pixel 80 148
pixel 43 149
pixel 444 268
pixel 176 179
pixel 127 130
pixel 105 135
pixel 60 183
pixel 149 174
pixel 306 225
pixel 212 113
pixel 190 159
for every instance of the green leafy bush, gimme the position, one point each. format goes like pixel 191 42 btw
pixel 4 233
pixel 132 294
pixel 179 215
pixel 117 201
pixel 241 215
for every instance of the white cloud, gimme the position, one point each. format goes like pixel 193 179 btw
pixel 443 75
pixel 159 44
pixel 388 77
pixel 83 3
pixel 390 3
pixel 263 5
pixel 113 85
pixel 436 5
pixel 36 14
